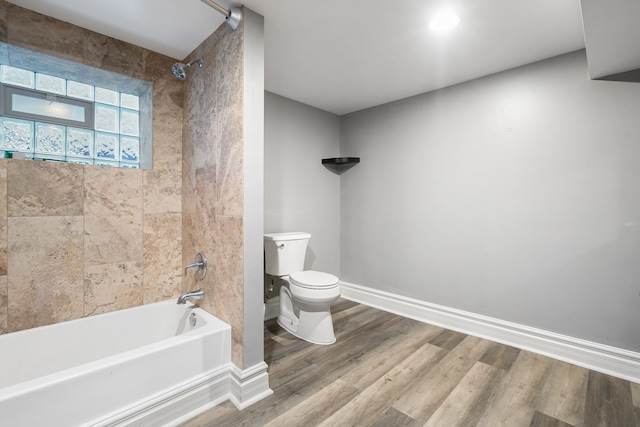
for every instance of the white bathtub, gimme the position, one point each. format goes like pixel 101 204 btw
pixel 141 366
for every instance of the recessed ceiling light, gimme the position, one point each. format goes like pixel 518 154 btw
pixel 444 20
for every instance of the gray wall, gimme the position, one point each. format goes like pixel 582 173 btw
pixel 253 188
pixel 299 193
pixel 515 196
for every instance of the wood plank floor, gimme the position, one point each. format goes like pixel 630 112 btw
pixel 385 370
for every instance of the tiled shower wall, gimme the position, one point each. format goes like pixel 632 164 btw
pixel 213 200
pixel 81 240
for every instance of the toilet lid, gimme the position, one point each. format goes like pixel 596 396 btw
pixel 313 279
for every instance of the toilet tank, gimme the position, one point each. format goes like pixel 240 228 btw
pixel 284 252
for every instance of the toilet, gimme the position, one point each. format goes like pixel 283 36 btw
pixel 306 298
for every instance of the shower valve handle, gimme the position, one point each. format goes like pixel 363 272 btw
pixel 200 264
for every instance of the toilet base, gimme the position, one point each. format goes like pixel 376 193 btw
pixel 272 308
pixel 314 326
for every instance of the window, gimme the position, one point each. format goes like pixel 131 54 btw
pixel 52 109
pixel 43 106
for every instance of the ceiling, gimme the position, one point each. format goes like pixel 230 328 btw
pixel 343 56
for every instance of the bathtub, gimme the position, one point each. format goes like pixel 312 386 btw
pixel 158 364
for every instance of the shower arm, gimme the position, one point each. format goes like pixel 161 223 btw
pixel 232 16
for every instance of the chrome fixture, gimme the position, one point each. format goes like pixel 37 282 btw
pixel 233 16
pixel 180 70
pixel 199 295
pixel 200 265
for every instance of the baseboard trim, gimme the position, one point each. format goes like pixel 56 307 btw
pixel 242 387
pixel 248 386
pixel 610 360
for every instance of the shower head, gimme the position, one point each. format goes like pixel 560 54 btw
pixel 180 70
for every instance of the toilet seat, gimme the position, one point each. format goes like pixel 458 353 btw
pixel 313 279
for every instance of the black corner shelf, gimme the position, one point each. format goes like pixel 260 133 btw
pixel 340 164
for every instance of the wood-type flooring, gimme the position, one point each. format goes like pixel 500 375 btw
pixel 386 370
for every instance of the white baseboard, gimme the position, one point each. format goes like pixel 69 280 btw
pixel 614 361
pixel 248 386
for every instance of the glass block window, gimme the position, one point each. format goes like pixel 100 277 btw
pixel 107 118
pixel 51 118
pixel 17 76
pixel 80 90
pixel 50 139
pixel 51 84
pixel 17 135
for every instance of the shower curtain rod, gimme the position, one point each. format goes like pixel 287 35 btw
pixel 233 16
pixel 217 7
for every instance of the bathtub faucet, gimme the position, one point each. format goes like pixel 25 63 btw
pixel 199 295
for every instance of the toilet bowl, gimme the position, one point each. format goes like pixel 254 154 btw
pixel 305 306
pixel 306 296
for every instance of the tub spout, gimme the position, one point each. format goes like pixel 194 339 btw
pixel 199 295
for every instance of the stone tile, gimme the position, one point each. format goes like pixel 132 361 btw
pixel 46 271
pixel 188 187
pixel 162 266
pixel 114 55
pixel 199 235
pixel 167 140
pixel 110 287
pixel 3 217
pixel 44 189
pixel 4 304
pixel 158 69
pixel 206 202
pixel 189 231
pixel 213 180
pixel 168 117
pixel 200 88
pixel 229 70
pixel 228 294
pixel 113 215
pixel 3 21
pixel 230 163
pixel 205 141
pixel 162 188
pixel 53 36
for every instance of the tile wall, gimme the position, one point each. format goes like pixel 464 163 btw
pixel 81 240
pixel 213 165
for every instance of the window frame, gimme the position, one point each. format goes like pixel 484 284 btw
pixel 6 106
